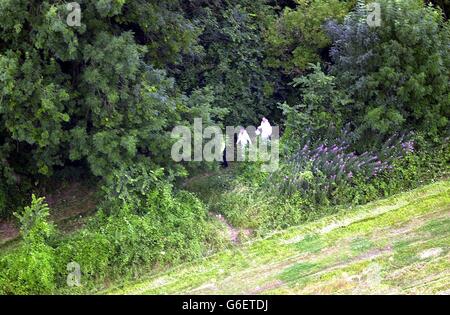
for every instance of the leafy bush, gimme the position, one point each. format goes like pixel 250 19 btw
pixel 164 228
pixel 148 224
pixel 129 186
pixel 396 74
pixel 428 163
pixel 91 250
pixel 317 181
pixel 31 268
pixel 296 38
pixel 321 112
pixel 326 167
pixel 34 225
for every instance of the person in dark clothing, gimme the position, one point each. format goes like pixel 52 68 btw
pixel 224 162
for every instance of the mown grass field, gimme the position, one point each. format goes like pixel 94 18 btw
pixel 399 245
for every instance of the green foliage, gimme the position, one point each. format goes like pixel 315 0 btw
pixel 396 74
pixel 91 93
pixel 265 206
pixel 91 250
pixel 296 38
pixel 244 206
pixel 103 98
pixel 320 113
pixel 165 228
pixel 31 268
pixel 162 27
pixel 129 187
pixel 145 228
pixel 230 60
pixel 34 225
pixel 428 164
pixel 443 4
pixel 250 173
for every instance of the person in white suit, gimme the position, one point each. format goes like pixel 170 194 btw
pixel 265 129
pixel 243 138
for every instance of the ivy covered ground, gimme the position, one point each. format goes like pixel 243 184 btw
pixel 399 245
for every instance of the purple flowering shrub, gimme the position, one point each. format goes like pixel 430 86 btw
pixel 321 169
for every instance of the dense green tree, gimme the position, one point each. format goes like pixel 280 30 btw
pixel 320 114
pixel 230 57
pixel 297 37
pixel 398 73
pixel 443 4
pixel 91 93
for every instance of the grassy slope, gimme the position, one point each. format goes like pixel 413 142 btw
pixel 396 245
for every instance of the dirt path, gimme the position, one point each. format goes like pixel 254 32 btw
pixel 235 235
